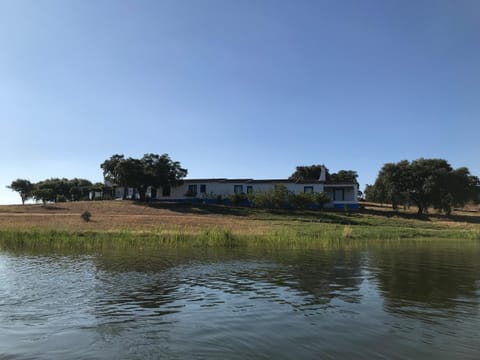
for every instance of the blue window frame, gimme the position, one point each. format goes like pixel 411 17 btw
pixel 249 189
pixel 308 189
pixel 192 190
pixel 203 188
pixel 238 188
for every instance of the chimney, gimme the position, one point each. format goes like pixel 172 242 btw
pixel 323 174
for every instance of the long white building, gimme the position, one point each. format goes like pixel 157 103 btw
pixel 213 190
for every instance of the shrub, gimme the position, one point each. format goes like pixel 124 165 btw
pixel 238 198
pixel 276 198
pixel 303 200
pixel 86 215
pixel 322 198
pixel 262 199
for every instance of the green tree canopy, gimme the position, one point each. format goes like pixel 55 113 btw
pixel 151 170
pixel 424 183
pixel 312 173
pixel 343 176
pixel 50 189
pixel 54 189
pixel 79 189
pixel 307 173
pixel 47 190
pixel 110 169
pixel 23 187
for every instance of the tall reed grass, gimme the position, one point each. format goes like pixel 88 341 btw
pixel 305 236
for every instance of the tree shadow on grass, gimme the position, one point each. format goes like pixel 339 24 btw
pixel 393 213
pixel 198 208
pixel 324 216
pixel 472 219
pixel 331 216
pixel 53 208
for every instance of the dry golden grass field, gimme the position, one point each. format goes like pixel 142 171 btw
pixel 121 215
pixel 113 216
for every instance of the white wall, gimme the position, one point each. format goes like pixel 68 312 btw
pixel 225 189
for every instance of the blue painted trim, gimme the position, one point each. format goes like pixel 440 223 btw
pixel 349 206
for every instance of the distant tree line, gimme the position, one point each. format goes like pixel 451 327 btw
pixel 151 170
pixel 55 189
pixel 424 183
pixel 160 171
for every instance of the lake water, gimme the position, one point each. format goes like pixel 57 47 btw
pixel 395 300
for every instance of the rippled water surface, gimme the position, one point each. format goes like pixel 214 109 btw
pixel 382 300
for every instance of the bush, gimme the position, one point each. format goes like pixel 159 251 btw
pixel 281 197
pixel 276 198
pixel 86 215
pixel 61 198
pixel 238 198
pixel 303 200
pixel 321 199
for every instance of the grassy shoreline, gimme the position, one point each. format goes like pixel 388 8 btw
pixel 128 224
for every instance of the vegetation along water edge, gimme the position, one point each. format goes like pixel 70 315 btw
pixel 117 224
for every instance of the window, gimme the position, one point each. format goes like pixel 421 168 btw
pixel 203 189
pixel 192 190
pixel 166 191
pixel 249 189
pixel 308 189
pixel 238 188
pixel 339 195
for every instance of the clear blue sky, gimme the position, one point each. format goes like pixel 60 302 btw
pixel 246 88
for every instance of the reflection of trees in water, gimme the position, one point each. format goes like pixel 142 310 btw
pixel 421 280
pixel 134 283
pixel 322 274
pixel 155 280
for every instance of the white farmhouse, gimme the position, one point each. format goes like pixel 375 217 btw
pixel 211 190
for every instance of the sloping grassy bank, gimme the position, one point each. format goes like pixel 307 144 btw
pixel 130 225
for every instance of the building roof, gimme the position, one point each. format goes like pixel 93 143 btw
pixel 260 181
pixel 251 181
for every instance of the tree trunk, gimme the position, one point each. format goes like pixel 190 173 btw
pixel 141 193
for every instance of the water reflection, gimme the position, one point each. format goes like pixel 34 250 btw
pixel 313 277
pixel 424 282
pixel 243 303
